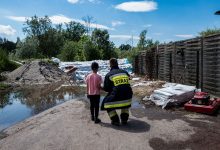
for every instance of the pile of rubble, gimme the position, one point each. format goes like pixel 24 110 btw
pixel 146 88
pixel 36 72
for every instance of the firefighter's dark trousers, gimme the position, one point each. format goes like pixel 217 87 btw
pixel 114 116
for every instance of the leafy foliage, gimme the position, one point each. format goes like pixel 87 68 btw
pixel 50 43
pixel 71 51
pixel 27 49
pixel 144 43
pixel 9 46
pixel 36 27
pixel 91 51
pixel 101 39
pixel 71 43
pixel 209 31
pixel 74 31
pixel 5 63
pixel 125 47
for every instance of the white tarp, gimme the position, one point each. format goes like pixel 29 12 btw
pixel 172 94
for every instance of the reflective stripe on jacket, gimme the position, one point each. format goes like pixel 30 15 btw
pixel 119 90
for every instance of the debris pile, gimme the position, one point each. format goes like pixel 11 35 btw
pixel 36 72
pixel 85 67
pixel 172 95
pixel 146 88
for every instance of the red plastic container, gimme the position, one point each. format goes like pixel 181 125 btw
pixel 210 109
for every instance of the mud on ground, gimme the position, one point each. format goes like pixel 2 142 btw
pixel 68 126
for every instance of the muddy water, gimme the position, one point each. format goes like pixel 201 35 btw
pixel 22 103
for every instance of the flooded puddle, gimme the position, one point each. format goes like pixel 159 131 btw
pixel 20 104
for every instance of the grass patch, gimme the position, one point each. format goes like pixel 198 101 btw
pixel 3 86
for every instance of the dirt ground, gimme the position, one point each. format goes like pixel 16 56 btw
pixel 36 72
pixel 68 127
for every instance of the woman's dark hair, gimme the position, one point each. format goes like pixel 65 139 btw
pixel 95 66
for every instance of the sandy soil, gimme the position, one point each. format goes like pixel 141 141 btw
pixel 36 72
pixel 68 127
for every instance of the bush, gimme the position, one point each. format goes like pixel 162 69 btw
pixel 209 31
pixel 28 49
pixel 72 51
pixel 5 63
pixel 91 51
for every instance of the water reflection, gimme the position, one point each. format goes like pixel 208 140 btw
pixel 18 105
pixel 4 100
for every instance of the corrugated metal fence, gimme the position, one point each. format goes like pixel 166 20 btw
pixel 192 62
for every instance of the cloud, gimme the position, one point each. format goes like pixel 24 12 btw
pixel 73 1
pixel 134 6
pixel 7 30
pixel 147 25
pixel 58 19
pixel 95 1
pixel 16 18
pixel 99 26
pixel 184 35
pixel 124 37
pixel 117 23
pixel 158 34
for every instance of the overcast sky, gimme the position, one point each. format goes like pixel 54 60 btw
pixel 166 20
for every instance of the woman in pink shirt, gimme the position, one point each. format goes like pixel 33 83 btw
pixel 93 81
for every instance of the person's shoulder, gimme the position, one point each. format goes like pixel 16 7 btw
pixel 98 75
pixel 108 73
pixel 89 75
pixel 123 70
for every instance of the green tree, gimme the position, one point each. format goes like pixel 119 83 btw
pixel 91 51
pixel 5 63
pixel 28 48
pixel 72 51
pixel 209 31
pixel 125 47
pixel 51 42
pixel 50 39
pixel 111 51
pixel 35 27
pixel 132 54
pixel 74 31
pixel 3 60
pixel 142 43
pixel 7 45
pixel 101 39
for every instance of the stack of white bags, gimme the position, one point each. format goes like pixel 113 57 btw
pixel 172 94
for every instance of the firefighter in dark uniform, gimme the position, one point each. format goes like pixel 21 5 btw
pixel 119 95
